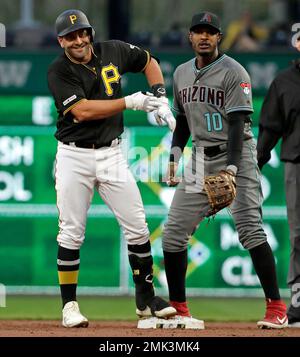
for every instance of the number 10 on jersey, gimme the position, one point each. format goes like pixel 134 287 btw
pixel 213 121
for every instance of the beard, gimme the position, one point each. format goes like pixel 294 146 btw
pixel 79 53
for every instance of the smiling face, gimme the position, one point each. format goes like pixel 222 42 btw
pixel 204 40
pixel 77 45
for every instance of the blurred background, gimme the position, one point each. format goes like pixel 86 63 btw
pixel 257 33
pixel 155 23
pixel 267 23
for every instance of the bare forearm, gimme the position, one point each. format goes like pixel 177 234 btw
pixel 97 109
pixel 153 73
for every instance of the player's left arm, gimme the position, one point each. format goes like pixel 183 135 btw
pixel 155 79
pixel 139 60
pixel 236 124
pixel 238 106
pixel 136 59
pixel 153 72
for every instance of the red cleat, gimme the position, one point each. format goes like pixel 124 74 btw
pixel 181 307
pixel 275 315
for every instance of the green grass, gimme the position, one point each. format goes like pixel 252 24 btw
pixel 123 308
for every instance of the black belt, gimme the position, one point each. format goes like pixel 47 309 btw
pixel 211 151
pixel 84 145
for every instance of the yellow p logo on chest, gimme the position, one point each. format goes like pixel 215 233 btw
pixel 110 74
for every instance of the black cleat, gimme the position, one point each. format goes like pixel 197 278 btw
pixel 157 307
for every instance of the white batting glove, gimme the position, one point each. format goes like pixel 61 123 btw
pixel 164 114
pixel 140 101
pixel 162 100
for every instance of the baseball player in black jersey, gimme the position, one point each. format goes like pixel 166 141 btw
pixel 212 98
pixel 280 118
pixel 85 82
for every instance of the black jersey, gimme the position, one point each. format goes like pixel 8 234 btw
pixel 280 115
pixel 70 82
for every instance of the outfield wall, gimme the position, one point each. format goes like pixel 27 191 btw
pixel 28 221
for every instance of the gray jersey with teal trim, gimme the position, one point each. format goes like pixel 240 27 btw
pixel 207 95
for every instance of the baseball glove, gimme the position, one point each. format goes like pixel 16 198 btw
pixel 220 190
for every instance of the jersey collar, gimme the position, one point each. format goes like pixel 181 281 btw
pixel 92 69
pixel 206 68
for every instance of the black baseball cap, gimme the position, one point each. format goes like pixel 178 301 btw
pixel 206 18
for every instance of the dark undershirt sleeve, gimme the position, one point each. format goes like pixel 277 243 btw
pixel 180 138
pixel 235 137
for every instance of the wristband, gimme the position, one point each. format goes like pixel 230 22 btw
pixel 159 90
pixel 232 168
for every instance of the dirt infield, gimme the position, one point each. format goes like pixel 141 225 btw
pixel 26 328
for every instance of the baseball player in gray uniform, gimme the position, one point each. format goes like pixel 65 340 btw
pixel 212 98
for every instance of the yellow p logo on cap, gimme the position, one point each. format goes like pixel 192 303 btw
pixel 73 18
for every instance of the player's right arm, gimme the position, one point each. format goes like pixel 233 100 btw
pixel 102 109
pixel 97 109
pixel 180 138
pixel 70 97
